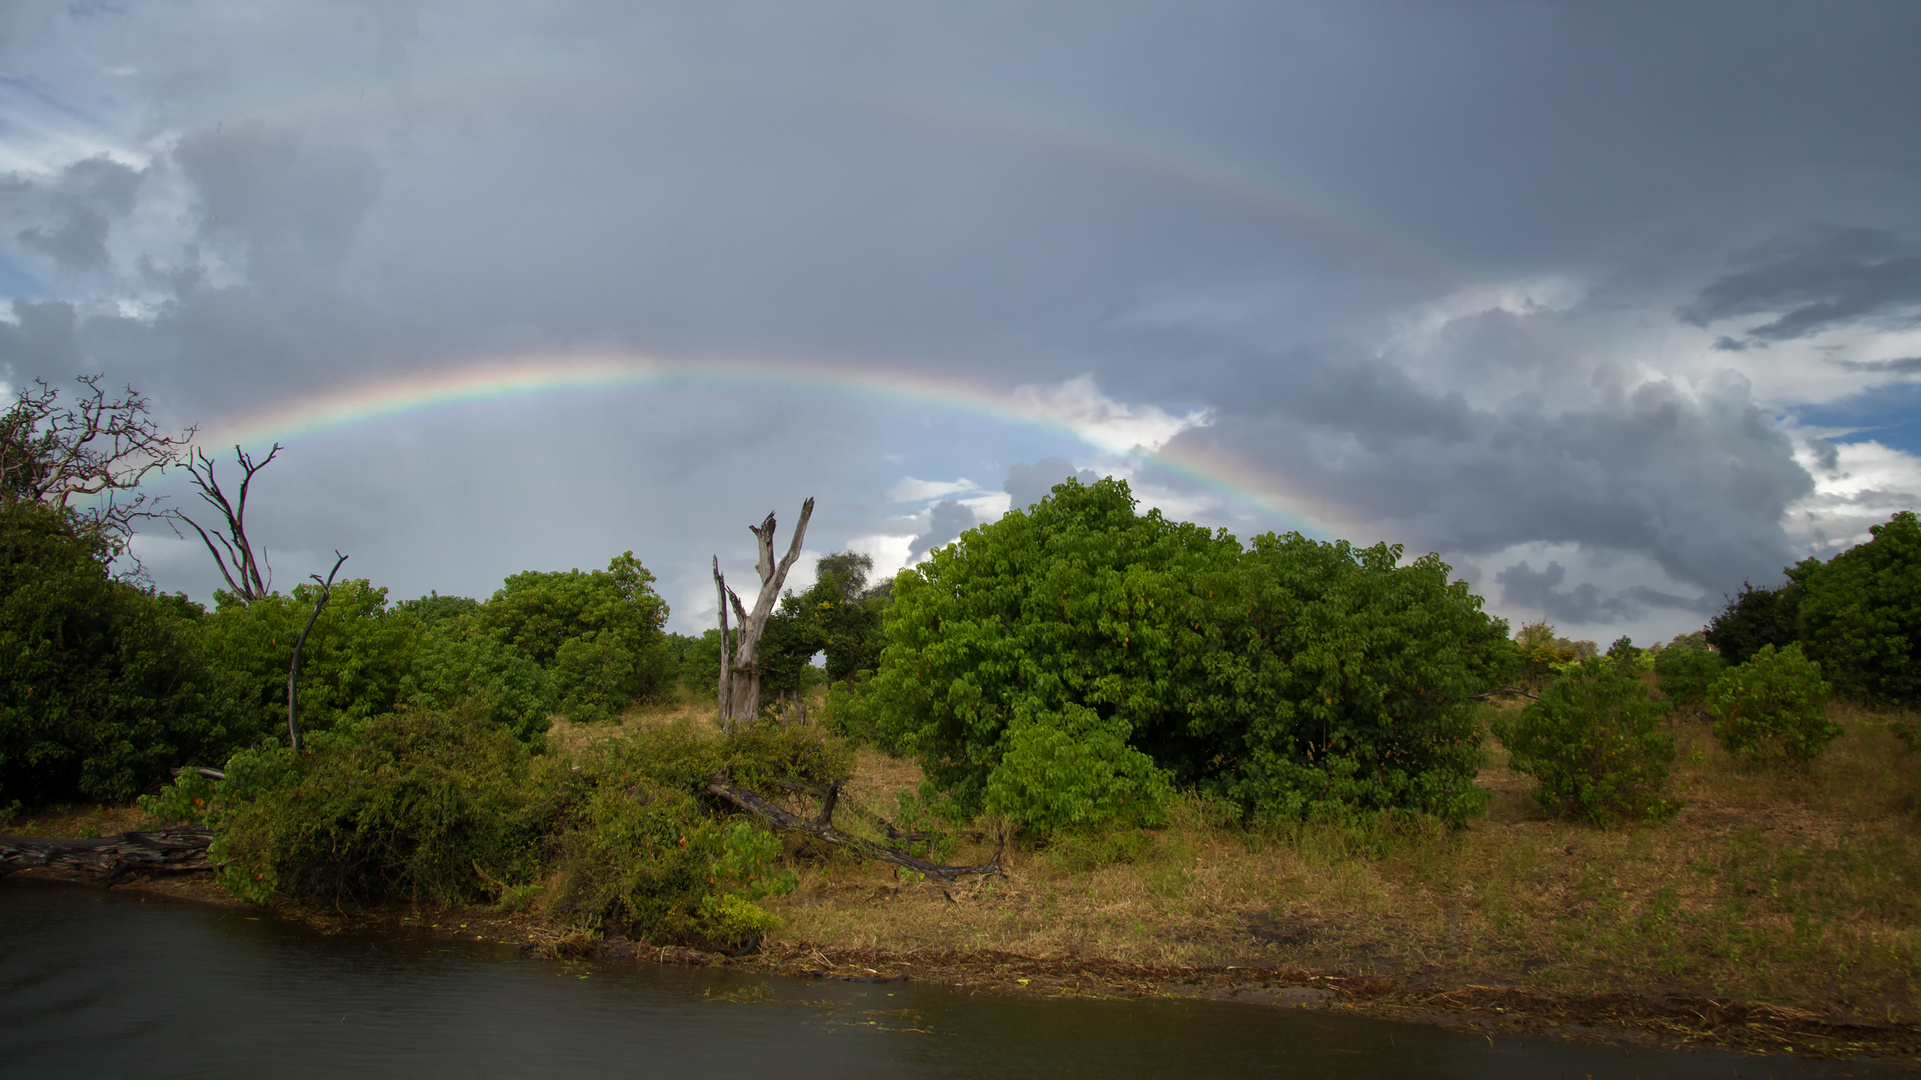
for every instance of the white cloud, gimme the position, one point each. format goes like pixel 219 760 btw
pixel 1113 426
pixel 1861 485
pixel 913 490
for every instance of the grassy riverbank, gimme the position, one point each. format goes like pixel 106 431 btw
pixel 1777 912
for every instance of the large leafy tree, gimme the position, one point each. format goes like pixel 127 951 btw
pixel 600 632
pixel 102 683
pixel 1067 665
pixel 1859 613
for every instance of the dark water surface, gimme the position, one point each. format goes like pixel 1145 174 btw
pixel 110 985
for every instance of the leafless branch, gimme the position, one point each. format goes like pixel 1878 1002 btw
pixel 235 553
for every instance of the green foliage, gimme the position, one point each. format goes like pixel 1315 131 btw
pixel 353 667
pixel 103 685
pixel 408 806
pixel 455 664
pixel 646 849
pixel 598 632
pixel 1104 656
pixel 1592 744
pixel 1753 619
pixel 696 659
pixel 1539 654
pixel 1773 709
pixel 434 608
pixel 1860 613
pixel 1685 669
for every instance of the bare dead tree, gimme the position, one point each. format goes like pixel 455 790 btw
pixel 238 564
pixel 97 451
pixel 293 670
pixel 739 690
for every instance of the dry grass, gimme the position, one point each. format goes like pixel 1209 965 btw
pixel 1804 890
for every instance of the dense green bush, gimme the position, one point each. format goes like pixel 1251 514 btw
pixel 599 632
pixel 354 665
pixel 1754 618
pixel 646 849
pixel 456 664
pixel 103 685
pixel 1069 665
pixel 408 806
pixel 1593 747
pixel 1684 673
pixel 446 806
pixel 1773 709
pixel 1859 613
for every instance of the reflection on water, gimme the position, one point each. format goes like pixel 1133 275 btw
pixel 109 985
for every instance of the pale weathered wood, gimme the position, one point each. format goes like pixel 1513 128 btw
pixel 153 851
pixel 741 671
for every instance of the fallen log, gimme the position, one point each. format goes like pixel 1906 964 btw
pixel 1506 690
pixel 109 858
pixel 822 828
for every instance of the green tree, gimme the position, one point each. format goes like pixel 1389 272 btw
pixel 1753 619
pixel 1069 664
pixel 1773 709
pixel 1592 744
pixel 600 632
pixel 1685 668
pixel 352 668
pixel 103 685
pixel 1860 613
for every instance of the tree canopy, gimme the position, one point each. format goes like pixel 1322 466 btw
pixel 1069 664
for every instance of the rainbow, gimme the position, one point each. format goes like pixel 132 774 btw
pixel 395 399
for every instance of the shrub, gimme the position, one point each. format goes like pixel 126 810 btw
pixel 1066 664
pixel 1773 709
pixel 456 664
pixel 1684 674
pixel 1754 618
pixel 352 667
pixel 611 618
pixel 1860 613
pixel 103 685
pixel 1592 746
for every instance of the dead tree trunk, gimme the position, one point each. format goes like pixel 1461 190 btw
pixel 155 851
pixel 293 670
pixel 739 692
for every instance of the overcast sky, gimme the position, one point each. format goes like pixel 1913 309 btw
pixel 1612 305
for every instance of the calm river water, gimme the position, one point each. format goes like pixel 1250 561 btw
pixel 107 985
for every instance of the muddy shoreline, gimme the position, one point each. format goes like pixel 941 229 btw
pixel 1669 1021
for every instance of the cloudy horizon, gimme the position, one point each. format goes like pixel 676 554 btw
pixel 1613 307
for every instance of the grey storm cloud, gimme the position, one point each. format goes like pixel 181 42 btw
pixel 73 211
pixel 1029 484
pixel 1539 590
pixel 945 522
pixel 1906 365
pixel 1697 482
pixel 1819 279
pixel 1225 207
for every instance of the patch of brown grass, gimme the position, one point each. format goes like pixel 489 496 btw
pixel 1802 889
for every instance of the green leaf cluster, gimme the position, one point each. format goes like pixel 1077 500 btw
pixel 599 632
pixel 1859 613
pixel 1070 665
pixel 1685 669
pixel 103 684
pixel 1773 709
pixel 1592 744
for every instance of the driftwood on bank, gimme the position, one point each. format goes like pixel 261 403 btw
pixel 109 858
pixel 1505 690
pixel 822 828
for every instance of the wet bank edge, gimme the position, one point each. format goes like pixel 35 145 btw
pixel 1674 1022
